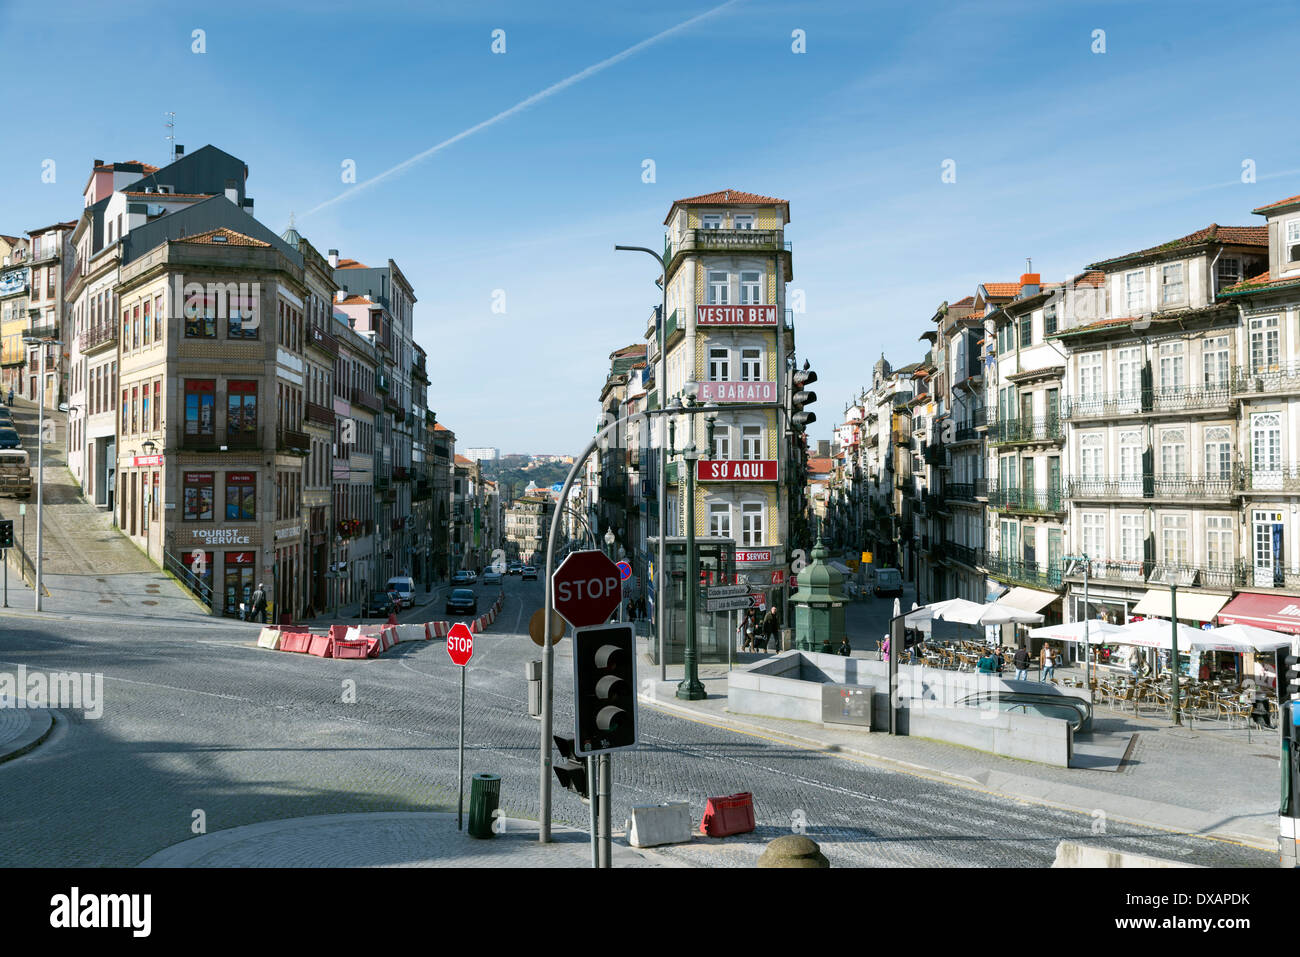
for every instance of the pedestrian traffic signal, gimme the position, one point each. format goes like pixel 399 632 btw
pixel 604 688
pixel 800 397
pixel 571 771
pixel 7 533
pixel 1292 663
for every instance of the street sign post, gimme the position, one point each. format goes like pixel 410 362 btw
pixel 728 591
pixel 588 588
pixel 727 604
pixel 460 648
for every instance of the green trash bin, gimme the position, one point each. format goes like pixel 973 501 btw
pixel 484 793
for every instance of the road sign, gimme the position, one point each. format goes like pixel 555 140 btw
pixel 778 576
pixel 729 604
pixel 866 558
pixel 587 588
pixel 538 622
pixel 625 570
pixel 728 591
pixel 460 644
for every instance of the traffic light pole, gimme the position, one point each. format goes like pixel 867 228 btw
pixel 606 843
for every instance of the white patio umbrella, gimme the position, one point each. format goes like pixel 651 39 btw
pixel 1154 633
pixel 968 612
pixel 1073 631
pixel 1249 638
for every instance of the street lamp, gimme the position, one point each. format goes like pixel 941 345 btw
pixel 45 343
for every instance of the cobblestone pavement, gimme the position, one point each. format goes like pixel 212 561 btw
pixel 202 728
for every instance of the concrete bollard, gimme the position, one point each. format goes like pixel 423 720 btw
pixel 654 824
pixel 793 850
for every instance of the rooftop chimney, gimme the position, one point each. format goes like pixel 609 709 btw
pixel 94 163
pixel 179 150
pixel 1029 283
pixel 232 191
pixel 334 259
pixel 341 294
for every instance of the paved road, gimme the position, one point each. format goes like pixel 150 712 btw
pixel 201 725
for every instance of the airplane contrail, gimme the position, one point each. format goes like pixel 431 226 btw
pixel 522 105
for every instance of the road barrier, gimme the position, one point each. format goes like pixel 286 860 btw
pixel 296 641
pixel 350 649
pixel 654 824
pixel 269 638
pixel 725 816
pixel 322 646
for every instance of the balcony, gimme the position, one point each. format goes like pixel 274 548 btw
pixel 422 491
pixel 1143 573
pixel 1025 431
pixel 291 442
pixel 1135 402
pixel 365 400
pixel 48 330
pixel 1282 479
pixel 965 433
pixel 1102 488
pixel 201 442
pixel 740 241
pixel 319 415
pixel 399 414
pixel 961 491
pixel 322 340
pixel 243 438
pixel 97 337
pixel 388 496
pixel 383 481
pixel 419 370
pixel 381 383
pixel 390 404
pixel 1046 576
pixel 965 554
pixel 934 454
pixel 1266 378
pixel 1035 501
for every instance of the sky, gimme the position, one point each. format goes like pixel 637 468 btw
pixel 506 178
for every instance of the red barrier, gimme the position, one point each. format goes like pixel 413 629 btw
pixel 357 648
pixel 724 816
pixel 299 641
pixel 338 632
pixel 390 637
pixel 322 646
pixel 428 633
pixel 374 647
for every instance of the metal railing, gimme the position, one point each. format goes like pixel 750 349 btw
pixel 1266 377
pixel 725 240
pixel 1013 498
pixel 1041 429
pixel 319 414
pixel 317 336
pixel 1281 479
pixel 961 491
pixel 965 554
pixel 292 441
pixel 1045 575
pixel 1150 572
pixel 191 582
pixel 1142 401
pixel 1149 486
pixel 98 335
pixel 365 400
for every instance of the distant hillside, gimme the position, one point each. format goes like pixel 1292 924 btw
pixel 512 480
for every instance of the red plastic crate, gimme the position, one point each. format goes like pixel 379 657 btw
pixel 357 648
pixel 724 816
pixel 299 641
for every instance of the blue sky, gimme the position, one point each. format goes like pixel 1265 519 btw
pixel 1063 155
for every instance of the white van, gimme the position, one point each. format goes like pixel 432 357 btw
pixel 889 581
pixel 404 587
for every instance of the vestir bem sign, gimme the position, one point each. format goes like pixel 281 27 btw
pixel 738 391
pixel 735 315
pixel 736 470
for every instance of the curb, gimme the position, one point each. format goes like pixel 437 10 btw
pixel 1247 840
pixel 42 728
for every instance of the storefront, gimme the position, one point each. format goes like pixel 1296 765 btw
pixel 238 579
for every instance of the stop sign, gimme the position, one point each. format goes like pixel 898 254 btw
pixel 460 644
pixel 587 588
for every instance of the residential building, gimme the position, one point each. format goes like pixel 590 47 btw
pixel 527 527
pixel 15 288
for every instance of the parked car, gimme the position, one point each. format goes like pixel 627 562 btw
pixel 462 601
pixel 15 473
pixel 889 583
pixel 462 578
pixel 404 587
pixel 9 438
pixel 491 577
pixel 528 572
pixel 6 418
pixel 381 605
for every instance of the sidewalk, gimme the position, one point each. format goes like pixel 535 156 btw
pixel 393 839
pixel 1162 784
pixel 22 729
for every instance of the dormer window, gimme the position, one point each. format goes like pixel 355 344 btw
pixel 1172 289
pixel 1293 241
pixel 1228 272
pixel 744 220
pixel 711 221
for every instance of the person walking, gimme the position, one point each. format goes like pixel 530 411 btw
pixel 741 633
pixel 1049 663
pixel 750 630
pixel 988 664
pixel 258 607
pixel 1021 661
pixel 770 628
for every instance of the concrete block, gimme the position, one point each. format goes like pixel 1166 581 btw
pixel 269 638
pixel 1070 854
pixel 654 824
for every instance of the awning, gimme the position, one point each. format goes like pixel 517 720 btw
pixel 1277 612
pixel 1028 599
pixel 1192 605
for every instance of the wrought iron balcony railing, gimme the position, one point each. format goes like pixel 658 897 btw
pixel 1012 498
pixel 1266 377
pixel 1100 487
pixel 292 442
pixel 965 554
pixel 961 491
pixel 1010 431
pixel 1146 401
pixel 319 415
pixel 1282 479
pixel 321 339
pixel 1045 575
pixel 1155 573
pixel 98 335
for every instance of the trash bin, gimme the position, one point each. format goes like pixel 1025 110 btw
pixel 484 793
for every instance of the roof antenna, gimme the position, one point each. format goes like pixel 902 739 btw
pixel 170 126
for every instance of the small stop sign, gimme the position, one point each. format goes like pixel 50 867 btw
pixel 460 644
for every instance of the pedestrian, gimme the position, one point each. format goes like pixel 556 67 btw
pixel 1048 663
pixel 845 650
pixel 741 633
pixel 988 664
pixel 1021 661
pixel 884 649
pixel 259 603
pixel 11 395
pixel 772 628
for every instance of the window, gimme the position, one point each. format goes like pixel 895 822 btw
pixel 1049 319
pixel 1293 240
pixel 1090 455
pixel 1219 551
pixel 1264 344
pixel 1173 291
pixel 125 410
pixel 200 407
pixel 1135 292
pixel 241 410
pixel 1218 453
pixel 1130 538
pixel 751 288
pixel 721 443
pixel 200 318
pixel 719 365
pixel 1094 534
pixel 198 496
pixel 157 318
pixel 1171 367
pixel 1214 362
pixel 153 500
pixel 751 365
pixel 241 324
pixel 718 288
pixel 743 220
pixel 711 221
pixel 157 404
pixel 1173 454
pixel 1130 462
pixel 241 497
pixel 751 524
pixel 144 408
pixel 751 442
pixel 720 520
pixel 1026 329
pixel 1005 343
pixel 1173 540
pixel 1227 272
pixel 1090 375
pixel 147 328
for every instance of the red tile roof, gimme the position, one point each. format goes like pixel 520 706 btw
pixel 1213 233
pixel 157 195
pixel 819 464
pixel 1090 277
pixel 1000 289
pixel 729 197
pixel 1290 200
pixel 1258 284
pixel 354 301
pixel 439 427
pixel 148 168
pixel 968 301
pixel 461 460
pixel 351 264
pixel 232 238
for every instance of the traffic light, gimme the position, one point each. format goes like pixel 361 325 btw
pixel 1292 662
pixel 572 771
pixel 800 397
pixel 7 533
pixel 604 688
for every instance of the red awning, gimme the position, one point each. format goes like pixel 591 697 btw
pixel 1279 612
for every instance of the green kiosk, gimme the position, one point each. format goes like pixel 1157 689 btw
pixel 818 605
